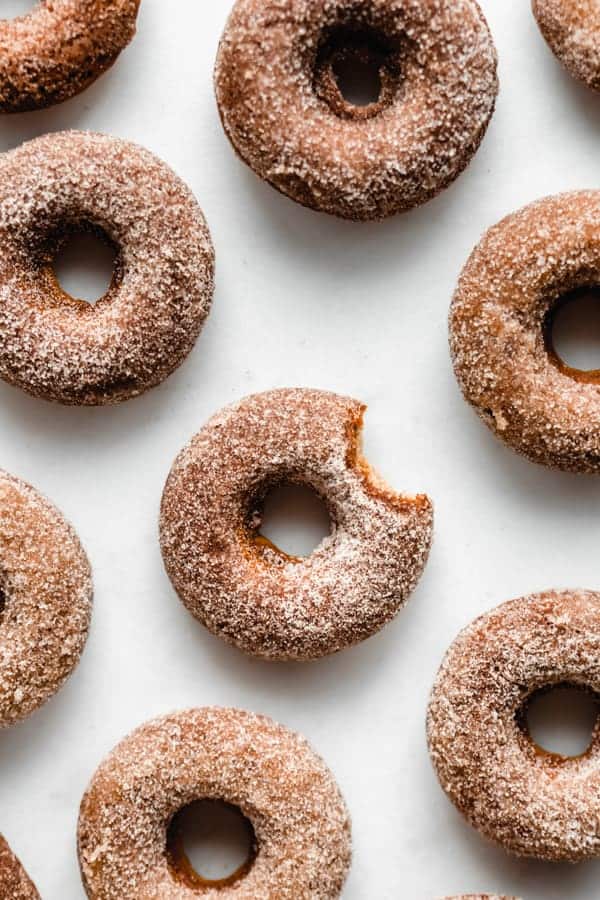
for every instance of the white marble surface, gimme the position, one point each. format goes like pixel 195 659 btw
pixel 302 299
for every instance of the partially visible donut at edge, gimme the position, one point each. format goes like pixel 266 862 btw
pixel 59 48
pixel 571 29
pixel 247 591
pixel 286 117
pixel 15 884
pixel 59 348
pixel 45 599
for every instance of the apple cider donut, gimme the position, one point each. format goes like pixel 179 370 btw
pixel 572 30
pixel 45 599
pixel 246 590
pixel 284 112
pixel 301 828
pixel 15 884
pixel 522 272
pixel 59 348
pixel 60 48
pixel 532 802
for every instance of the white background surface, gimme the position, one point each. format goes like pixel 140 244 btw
pixel 303 299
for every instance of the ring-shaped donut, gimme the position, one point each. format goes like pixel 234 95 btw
pixel 522 272
pixel 60 48
pixel 246 590
pixel 301 826
pixel 45 599
pixel 532 802
pixel 284 113
pixel 572 30
pixel 60 348
pixel 15 884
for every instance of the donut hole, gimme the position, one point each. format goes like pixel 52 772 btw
pixel 572 332
pixel 562 720
pixel 85 262
pixel 210 844
pixel 357 71
pixel 14 9
pixel 291 518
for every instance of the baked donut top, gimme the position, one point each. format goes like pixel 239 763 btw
pixel 59 48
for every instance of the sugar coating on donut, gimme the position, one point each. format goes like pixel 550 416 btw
pixel 247 591
pixel 59 48
pixel 45 594
pixel 572 30
pixel 15 884
pixel 60 348
pixel 532 802
pixel 271 774
pixel 287 119
pixel 499 335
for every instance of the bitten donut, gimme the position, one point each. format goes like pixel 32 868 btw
pixel 301 828
pixel 284 112
pixel 45 599
pixel 60 48
pixel 242 587
pixel 572 31
pixel 15 884
pixel 59 348
pixel 532 802
pixel 522 272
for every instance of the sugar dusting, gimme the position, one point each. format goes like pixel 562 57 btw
pixel 59 48
pixel 14 882
pixel 274 777
pixel 245 590
pixel 533 402
pixel 60 348
pixel 572 30
pixel 533 803
pixel 356 165
pixel 46 581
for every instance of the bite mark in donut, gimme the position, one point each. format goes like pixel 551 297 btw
pixel 242 587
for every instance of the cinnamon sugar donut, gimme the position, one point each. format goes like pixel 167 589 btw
pixel 284 113
pixel 60 48
pixel 45 599
pixel 15 884
pixel 532 802
pixel 572 31
pixel 60 348
pixel 524 269
pixel 302 846
pixel 246 590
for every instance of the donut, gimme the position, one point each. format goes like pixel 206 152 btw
pixel 572 30
pixel 242 587
pixel 45 600
pixel 480 897
pixel 14 881
pixel 60 48
pixel 286 117
pixel 524 270
pixel 531 802
pixel 302 845
pixel 59 348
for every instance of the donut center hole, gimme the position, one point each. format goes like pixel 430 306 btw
pixel 211 843
pixel 573 329
pixel 294 519
pixel 358 71
pixel 85 264
pixel 13 9
pixel 562 720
